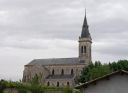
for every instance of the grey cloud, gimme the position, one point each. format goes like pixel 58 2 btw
pixel 44 44
pixel 42 19
pixel 34 24
pixel 113 48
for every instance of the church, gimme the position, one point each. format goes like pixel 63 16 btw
pixel 62 71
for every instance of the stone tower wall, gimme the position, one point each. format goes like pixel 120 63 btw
pixel 85 56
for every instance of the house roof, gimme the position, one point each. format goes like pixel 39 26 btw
pixel 100 78
pixel 55 61
pixel 60 77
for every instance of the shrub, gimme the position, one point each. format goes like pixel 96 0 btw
pixel 68 90
pixel 32 87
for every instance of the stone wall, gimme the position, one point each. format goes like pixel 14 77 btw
pixel 85 56
pixel 16 91
pixel 44 71
pixel 30 71
pixel 62 82
pixel 67 69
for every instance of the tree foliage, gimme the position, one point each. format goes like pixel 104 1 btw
pixel 31 87
pixel 97 69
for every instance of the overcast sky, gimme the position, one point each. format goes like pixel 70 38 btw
pixel 31 29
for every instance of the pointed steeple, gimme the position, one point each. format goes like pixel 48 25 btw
pixel 85 42
pixel 85 32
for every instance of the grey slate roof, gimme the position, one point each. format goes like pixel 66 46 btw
pixel 74 60
pixel 85 32
pixel 60 77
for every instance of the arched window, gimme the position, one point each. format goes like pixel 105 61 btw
pixel 53 72
pixel 48 84
pixel 84 49
pixel 57 84
pixel 62 72
pixel 72 72
pixel 67 83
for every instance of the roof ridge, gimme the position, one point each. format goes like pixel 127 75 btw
pixel 55 58
pixel 54 61
pixel 104 76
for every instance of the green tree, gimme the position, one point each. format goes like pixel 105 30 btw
pixel 98 70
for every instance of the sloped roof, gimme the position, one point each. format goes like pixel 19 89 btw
pixel 60 77
pixel 74 60
pixel 100 78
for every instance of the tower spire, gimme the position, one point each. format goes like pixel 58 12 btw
pixel 85 32
pixel 85 42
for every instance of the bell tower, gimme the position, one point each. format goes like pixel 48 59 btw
pixel 85 42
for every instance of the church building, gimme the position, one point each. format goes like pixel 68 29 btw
pixel 62 71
